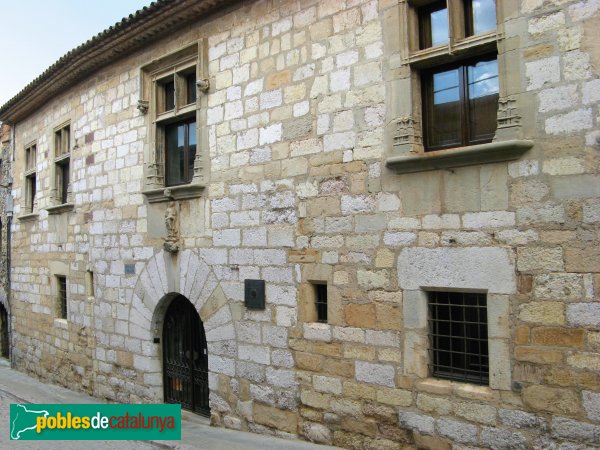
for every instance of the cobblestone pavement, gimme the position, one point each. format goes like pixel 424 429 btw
pixel 16 387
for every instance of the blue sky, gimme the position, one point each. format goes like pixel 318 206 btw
pixel 35 33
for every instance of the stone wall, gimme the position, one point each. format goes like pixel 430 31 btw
pixel 298 192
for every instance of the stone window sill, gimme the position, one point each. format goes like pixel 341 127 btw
pixel 57 209
pixel 461 156
pixel 28 217
pixel 61 323
pixel 183 192
pixel 466 390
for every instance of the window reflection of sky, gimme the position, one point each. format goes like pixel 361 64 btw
pixel 439 27
pixel 484 15
pixel 483 79
pixel 445 87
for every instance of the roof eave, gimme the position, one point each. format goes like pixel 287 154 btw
pixel 147 25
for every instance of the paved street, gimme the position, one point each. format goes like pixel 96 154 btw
pixel 16 387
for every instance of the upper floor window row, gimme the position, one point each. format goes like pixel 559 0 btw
pixel 468 18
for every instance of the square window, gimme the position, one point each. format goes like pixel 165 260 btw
pixel 460 103
pixel 62 296
pixel 458 336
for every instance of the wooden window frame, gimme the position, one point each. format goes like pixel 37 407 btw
pixel 188 171
pixel 465 125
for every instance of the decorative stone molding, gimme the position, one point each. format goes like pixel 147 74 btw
pixel 407 136
pixel 461 156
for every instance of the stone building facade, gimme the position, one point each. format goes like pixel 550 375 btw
pixel 301 129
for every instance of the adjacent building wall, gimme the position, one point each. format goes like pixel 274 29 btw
pixel 298 192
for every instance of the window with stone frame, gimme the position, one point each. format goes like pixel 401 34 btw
pixel 61 285
pixel 62 164
pixel 458 102
pixel 30 177
pixel 171 98
pixel 458 336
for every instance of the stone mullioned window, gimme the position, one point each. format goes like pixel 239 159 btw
pixel 170 88
pixel 459 109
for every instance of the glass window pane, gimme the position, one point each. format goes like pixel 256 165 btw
pixel 192 149
pixel 443 110
pixel 484 15
pixel 433 24
pixel 174 149
pixel 439 27
pixel 482 79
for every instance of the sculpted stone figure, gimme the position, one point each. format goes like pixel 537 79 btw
pixel 172 224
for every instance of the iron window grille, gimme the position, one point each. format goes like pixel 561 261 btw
pixel 458 336
pixel 321 302
pixel 62 296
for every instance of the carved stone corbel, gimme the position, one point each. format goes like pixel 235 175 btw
pixel 142 106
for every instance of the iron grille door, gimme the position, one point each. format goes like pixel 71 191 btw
pixel 185 357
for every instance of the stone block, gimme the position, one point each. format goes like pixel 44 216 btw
pixel 545 313
pixel 457 431
pixel 582 259
pixel 558 286
pixel 552 400
pixel 389 317
pixel 381 374
pixel 585 360
pixel 538 355
pixel 360 315
pixel 316 432
pixel 591 405
pixel 327 384
pixel 574 430
pixel 437 405
pixel 497 438
pixel 275 418
pixel 422 423
pixel 531 259
pixel 519 419
pixel 559 337
pixel 488 268
pixel 476 412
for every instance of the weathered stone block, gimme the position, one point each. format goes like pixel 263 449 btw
pixel 539 258
pixel 554 400
pixel 476 268
pixel 381 374
pixel 457 431
pixel 275 418
pixel 560 337
pixel 546 313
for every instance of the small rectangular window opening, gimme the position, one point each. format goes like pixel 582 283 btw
pixel 321 302
pixel 458 336
pixel 89 283
pixel 62 296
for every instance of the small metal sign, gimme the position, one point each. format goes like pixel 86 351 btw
pixel 254 294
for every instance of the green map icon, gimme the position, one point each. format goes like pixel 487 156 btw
pixel 24 419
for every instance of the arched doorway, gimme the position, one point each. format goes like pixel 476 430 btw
pixel 185 357
pixel 4 350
